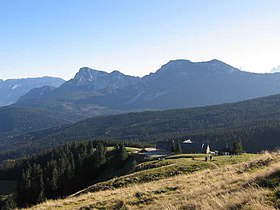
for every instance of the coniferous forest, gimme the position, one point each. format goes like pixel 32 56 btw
pixel 63 171
pixel 255 122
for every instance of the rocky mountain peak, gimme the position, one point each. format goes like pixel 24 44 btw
pixel 95 80
pixel 187 66
pixel 86 75
pixel 175 64
pixel 116 73
pixel 275 70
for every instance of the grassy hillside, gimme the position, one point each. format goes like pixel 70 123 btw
pixel 171 166
pixel 256 122
pixel 240 183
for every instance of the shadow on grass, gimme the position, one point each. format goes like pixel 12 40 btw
pixel 185 157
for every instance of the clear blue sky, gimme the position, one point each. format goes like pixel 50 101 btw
pixel 57 37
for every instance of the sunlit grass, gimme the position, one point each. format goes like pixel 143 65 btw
pixel 129 149
pixel 219 184
pixel 228 186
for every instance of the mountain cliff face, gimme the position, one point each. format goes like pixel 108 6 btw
pixel 96 80
pixel 76 96
pixel 12 89
pixel 177 84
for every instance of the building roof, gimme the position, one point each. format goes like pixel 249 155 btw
pixel 187 141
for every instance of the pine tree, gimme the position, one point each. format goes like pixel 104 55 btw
pixel 237 148
pixel 100 154
pixel 37 184
pixel 173 147
pixel 122 152
pixel 30 188
pixel 133 164
pixel 178 148
pixel 23 186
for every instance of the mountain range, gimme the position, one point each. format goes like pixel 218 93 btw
pixel 44 116
pixel 12 89
pixel 276 69
pixel 177 84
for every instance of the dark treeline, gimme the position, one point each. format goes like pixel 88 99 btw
pixel 219 125
pixel 261 135
pixel 21 152
pixel 254 138
pixel 65 170
pixel 256 122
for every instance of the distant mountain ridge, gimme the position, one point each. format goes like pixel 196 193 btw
pixel 177 84
pixel 275 70
pixel 12 89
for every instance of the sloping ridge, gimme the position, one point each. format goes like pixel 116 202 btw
pixel 13 89
pixel 252 121
pixel 20 120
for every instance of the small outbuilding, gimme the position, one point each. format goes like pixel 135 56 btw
pixel 225 151
pixel 187 146
pixel 187 141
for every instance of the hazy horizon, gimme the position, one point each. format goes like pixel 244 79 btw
pixel 274 70
pixel 56 38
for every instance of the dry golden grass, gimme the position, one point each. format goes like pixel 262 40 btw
pixel 225 187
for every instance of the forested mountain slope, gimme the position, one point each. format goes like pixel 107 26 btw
pixel 256 122
pixel 18 120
